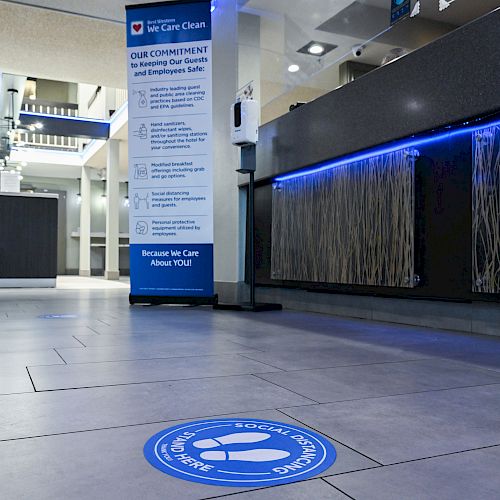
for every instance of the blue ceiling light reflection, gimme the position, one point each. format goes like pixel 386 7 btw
pixel 408 143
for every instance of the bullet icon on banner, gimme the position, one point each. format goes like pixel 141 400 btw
pixel 141 171
pixel 141 227
pixel 142 133
pixel 141 201
pixel 143 102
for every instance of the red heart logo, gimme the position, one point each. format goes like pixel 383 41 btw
pixel 137 27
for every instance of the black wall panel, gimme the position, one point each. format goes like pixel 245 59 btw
pixel 28 237
pixel 444 218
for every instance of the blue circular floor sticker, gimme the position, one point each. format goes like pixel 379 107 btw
pixel 58 316
pixel 239 452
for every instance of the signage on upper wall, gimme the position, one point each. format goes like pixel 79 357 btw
pixel 399 10
pixel 240 452
pixel 170 151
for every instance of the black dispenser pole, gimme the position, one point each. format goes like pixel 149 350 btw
pixel 251 235
pixel 248 166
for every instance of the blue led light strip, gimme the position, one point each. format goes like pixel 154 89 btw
pixel 386 149
pixel 64 117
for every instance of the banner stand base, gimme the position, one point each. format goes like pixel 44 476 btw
pixel 157 301
pixel 247 307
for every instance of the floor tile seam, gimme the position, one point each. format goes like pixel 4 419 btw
pixel 59 354
pixel 338 489
pixel 286 389
pixel 389 395
pixel 152 382
pixel 421 459
pixel 267 364
pixel 347 366
pixel 470 364
pixel 103 322
pixel 330 437
pixel 79 341
pixel 16 393
pixel 31 380
pixel 245 346
pixel 95 332
pixel 36 366
pixel 440 455
pixel 21 365
pixel 252 490
pixel 139 424
pixel 160 334
pixel 138 359
pixel 406 393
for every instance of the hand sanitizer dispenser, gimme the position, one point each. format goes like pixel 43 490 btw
pixel 245 123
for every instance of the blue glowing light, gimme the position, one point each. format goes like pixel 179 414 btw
pixel 412 142
pixel 63 117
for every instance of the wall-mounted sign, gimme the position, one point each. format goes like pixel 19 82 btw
pixel 399 10
pixel 242 452
pixel 170 151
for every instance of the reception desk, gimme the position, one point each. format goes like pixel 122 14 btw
pixel 389 185
pixel 28 240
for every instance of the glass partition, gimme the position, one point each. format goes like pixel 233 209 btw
pixel 296 51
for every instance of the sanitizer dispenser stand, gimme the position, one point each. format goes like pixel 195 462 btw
pixel 247 142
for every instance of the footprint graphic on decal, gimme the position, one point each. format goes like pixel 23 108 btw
pixel 236 438
pixel 263 455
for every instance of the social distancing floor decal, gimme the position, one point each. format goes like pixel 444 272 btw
pixel 243 452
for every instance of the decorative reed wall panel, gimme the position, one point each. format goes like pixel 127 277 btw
pixel 353 224
pixel 486 211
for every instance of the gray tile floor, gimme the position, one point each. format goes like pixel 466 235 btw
pixel 414 413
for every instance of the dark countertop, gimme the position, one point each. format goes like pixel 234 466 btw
pixel 454 78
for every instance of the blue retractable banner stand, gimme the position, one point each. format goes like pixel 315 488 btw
pixel 170 152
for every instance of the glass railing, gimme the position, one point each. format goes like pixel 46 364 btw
pixel 36 139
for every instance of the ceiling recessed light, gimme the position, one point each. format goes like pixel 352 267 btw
pixel 293 68
pixel 316 49
pixel 32 97
pixel 38 125
pixel 24 164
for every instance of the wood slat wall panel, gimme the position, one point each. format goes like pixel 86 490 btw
pixel 486 211
pixel 349 225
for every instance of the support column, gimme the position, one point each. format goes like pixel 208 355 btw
pixel 229 267
pixel 85 205
pixel 112 270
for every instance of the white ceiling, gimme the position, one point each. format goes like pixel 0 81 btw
pixel 111 10
pixel 84 40
pixel 55 46
pixel 88 47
